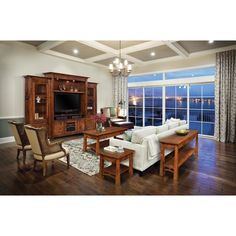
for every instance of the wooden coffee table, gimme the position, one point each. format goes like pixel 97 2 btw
pixel 181 151
pixel 116 169
pixel 98 136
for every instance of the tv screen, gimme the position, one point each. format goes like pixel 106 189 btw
pixel 66 103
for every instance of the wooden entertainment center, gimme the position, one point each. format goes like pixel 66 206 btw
pixel 42 95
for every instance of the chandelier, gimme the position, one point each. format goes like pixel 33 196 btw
pixel 119 67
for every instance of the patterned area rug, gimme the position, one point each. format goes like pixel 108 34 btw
pixel 87 162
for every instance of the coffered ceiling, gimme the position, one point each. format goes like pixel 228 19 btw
pixel 102 52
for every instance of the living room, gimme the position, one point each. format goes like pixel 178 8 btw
pixel 112 116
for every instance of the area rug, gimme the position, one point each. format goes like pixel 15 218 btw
pixel 87 162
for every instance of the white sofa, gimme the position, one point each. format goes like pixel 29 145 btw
pixel 140 143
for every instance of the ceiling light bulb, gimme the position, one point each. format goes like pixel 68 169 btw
pixel 75 51
pixel 153 54
pixel 125 62
pixel 211 41
pixel 116 61
pixel 120 66
pixel 111 68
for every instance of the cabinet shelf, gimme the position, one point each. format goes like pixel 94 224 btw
pixel 59 91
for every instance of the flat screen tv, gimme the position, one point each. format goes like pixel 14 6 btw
pixel 66 103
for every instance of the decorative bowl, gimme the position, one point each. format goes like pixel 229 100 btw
pixel 182 132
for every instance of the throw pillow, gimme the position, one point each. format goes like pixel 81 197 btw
pixel 182 122
pixel 162 128
pixel 175 120
pixel 127 136
pixel 106 112
pixel 113 112
pixel 138 135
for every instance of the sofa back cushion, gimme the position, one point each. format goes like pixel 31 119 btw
pixel 182 122
pixel 138 135
pixel 172 125
pixel 162 128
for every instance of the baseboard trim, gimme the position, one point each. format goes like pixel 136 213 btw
pixel 7 140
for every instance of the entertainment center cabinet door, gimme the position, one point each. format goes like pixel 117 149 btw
pixel 80 125
pixel 58 128
pixel 90 123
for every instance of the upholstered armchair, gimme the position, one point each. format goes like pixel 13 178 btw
pixel 43 150
pixel 21 140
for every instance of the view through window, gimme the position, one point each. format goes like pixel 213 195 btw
pixel 192 102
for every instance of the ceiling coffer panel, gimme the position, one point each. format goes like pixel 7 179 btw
pixel 160 52
pixel 197 46
pixel 84 51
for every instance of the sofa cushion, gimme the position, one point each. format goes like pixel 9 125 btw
pixel 174 120
pixel 161 128
pixel 138 135
pixel 172 125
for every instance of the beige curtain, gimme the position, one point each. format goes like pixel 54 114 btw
pixel 120 91
pixel 225 97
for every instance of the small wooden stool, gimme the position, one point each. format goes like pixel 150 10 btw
pixel 116 169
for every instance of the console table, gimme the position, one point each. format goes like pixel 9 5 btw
pixel 182 151
pixel 98 136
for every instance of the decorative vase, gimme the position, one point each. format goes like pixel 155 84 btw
pixel 99 127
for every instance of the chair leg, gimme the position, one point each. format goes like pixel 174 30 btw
pixel 24 157
pixel 44 168
pixel 35 163
pixel 68 161
pixel 18 153
pixel 52 164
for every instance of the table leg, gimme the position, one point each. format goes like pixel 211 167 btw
pixel 117 172
pixel 97 147
pixel 131 165
pixel 85 143
pixel 196 147
pixel 101 170
pixel 162 162
pixel 176 160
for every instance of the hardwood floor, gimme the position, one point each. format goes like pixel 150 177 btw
pixel 214 173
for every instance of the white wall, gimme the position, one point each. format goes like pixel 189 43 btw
pixel 176 64
pixel 18 59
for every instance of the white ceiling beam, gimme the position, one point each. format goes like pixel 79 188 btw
pixel 176 47
pixel 142 46
pixel 48 45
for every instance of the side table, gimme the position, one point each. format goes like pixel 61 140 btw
pixel 116 169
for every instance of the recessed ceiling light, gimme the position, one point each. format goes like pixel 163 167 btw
pixel 75 51
pixel 153 54
pixel 211 41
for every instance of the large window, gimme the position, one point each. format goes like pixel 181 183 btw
pixel 153 106
pixel 176 102
pixel 158 98
pixel 202 108
pixel 136 106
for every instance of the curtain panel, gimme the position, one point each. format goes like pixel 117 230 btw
pixel 225 97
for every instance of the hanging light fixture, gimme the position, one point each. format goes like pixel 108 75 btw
pixel 119 67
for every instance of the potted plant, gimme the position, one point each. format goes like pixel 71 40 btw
pixel 100 119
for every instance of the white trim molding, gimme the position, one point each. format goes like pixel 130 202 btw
pixel 7 140
pixel 11 117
